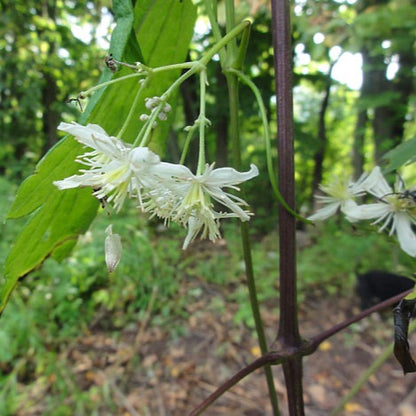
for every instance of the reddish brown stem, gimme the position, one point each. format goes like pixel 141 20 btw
pixel 288 336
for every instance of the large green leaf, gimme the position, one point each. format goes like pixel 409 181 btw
pixel 401 155
pixel 157 32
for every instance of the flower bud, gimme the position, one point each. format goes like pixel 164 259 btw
pixel 113 249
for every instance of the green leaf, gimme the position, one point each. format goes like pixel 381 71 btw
pixel 404 153
pixel 58 217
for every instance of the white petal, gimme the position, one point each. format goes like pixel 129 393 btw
pixel 84 133
pixel 95 137
pixel 225 199
pixel 171 170
pixel 368 211
pixel 376 184
pixel 73 181
pixel 325 212
pixel 143 155
pixel 229 176
pixel 405 235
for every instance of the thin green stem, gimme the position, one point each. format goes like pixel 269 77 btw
pixel 232 83
pixel 202 121
pixel 266 134
pixel 229 24
pixel 132 109
pixel 225 40
pixel 211 12
pixel 255 310
pixel 107 83
pixel 144 135
pixel 188 139
pixel 242 49
pixel 183 65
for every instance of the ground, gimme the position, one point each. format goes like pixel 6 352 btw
pixel 158 371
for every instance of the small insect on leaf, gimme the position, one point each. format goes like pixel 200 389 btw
pixel 111 63
pixel 78 101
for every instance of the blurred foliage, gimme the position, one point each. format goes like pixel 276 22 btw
pixel 42 64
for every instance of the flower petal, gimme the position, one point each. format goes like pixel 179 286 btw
pixel 325 212
pixel 84 133
pixel 405 234
pixel 95 137
pixel 143 155
pixel 376 184
pixel 229 176
pixel 367 211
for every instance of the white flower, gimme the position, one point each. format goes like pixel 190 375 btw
pixel 115 169
pixel 113 249
pixel 189 199
pixel 393 209
pixel 341 194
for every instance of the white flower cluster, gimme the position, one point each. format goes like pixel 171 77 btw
pixel 116 170
pixel 394 209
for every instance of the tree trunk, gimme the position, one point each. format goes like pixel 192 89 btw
pixel 358 145
pixel 389 99
pixel 321 137
pixel 50 116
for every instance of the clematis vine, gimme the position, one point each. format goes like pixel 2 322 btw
pixel 393 209
pixel 118 170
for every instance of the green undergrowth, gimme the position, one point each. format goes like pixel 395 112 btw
pixel 58 303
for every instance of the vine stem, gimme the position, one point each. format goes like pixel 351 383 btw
pixel 234 58
pixel 265 360
pixel 288 337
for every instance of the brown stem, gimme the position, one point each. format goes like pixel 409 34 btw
pixel 313 344
pixel 288 336
pixel 267 359
pixel 288 329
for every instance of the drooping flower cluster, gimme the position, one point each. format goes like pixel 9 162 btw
pixel 394 209
pixel 117 170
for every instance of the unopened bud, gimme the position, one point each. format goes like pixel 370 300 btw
pixel 113 249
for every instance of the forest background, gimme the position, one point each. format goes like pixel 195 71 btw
pixel 45 61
